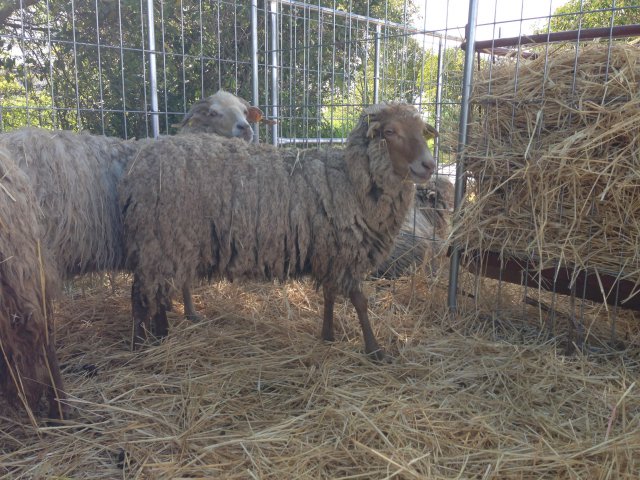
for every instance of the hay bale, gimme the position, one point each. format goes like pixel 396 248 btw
pixel 28 364
pixel 554 157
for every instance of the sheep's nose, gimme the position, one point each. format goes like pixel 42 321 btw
pixel 429 164
pixel 243 130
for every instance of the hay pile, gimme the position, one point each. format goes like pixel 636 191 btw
pixel 251 393
pixel 554 158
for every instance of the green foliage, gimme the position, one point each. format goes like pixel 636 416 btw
pixel 594 14
pixel 19 107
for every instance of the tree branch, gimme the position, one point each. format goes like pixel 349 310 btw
pixel 7 7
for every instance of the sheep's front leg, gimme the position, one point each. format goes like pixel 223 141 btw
pixel 189 309
pixel 327 319
pixel 139 313
pixel 371 346
pixel 159 323
pixel 56 395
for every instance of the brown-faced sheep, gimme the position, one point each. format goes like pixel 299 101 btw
pixel 265 213
pixel 423 232
pixel 28 363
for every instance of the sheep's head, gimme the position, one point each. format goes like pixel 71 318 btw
pixel 223 114
pixel 400 129
pixel 438 192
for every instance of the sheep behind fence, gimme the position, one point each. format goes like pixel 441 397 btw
pixel 75 177
pixel 424 232
pixel 267 213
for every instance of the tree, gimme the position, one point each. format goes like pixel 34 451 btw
pixel 594 13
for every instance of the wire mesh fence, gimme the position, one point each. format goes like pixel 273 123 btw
pixel 547 217
pixel 87 64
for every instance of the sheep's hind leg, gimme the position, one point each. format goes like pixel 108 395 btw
pixel 159 323
pixel 371 346
pixel 189 309
pixel 327 319
pixel 139 313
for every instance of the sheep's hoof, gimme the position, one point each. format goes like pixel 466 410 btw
pixel 57 415
pixel 330 338
pixel 194 317
pixel 379 356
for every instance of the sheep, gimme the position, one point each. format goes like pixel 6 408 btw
pixel 266 213
pixel 75 177
pixel 223 114
pixel 226 115
pixel 73 207
pixel 28 362
pixel 423 232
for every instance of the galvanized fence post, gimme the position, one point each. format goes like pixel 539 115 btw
pixel 153 76
pixel 462 139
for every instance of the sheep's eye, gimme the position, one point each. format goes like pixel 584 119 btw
pixel 213 113
pixel 388 132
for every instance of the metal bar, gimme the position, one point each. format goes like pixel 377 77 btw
pixel 306 52
pixel 54 111
pixel 100 88
pixel 333 70
pixel 569 35
pixel 310 140
pixel 164 69
pixel 255 92
pixel 26 69
pixel 144 69
pixel 273 13
pixel 462 139
pixel 376 65
pixel 235 39
pixel 318 96
pixel 122 70
pixel 75 67
pixel 439 81
pixel 202 92
pixel 218 49
pixel 153 77
pixel 364 18
pixel 184 73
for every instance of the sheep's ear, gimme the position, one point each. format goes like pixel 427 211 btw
pixel 196 109
pixel 371 116
pixel 268 121
pixel 430 132
pixel 375 109
pixel 254 114
pixel 374 129
pixel 185 121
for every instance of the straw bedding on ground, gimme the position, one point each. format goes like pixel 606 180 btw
pixel 251 392
pixel 554 152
